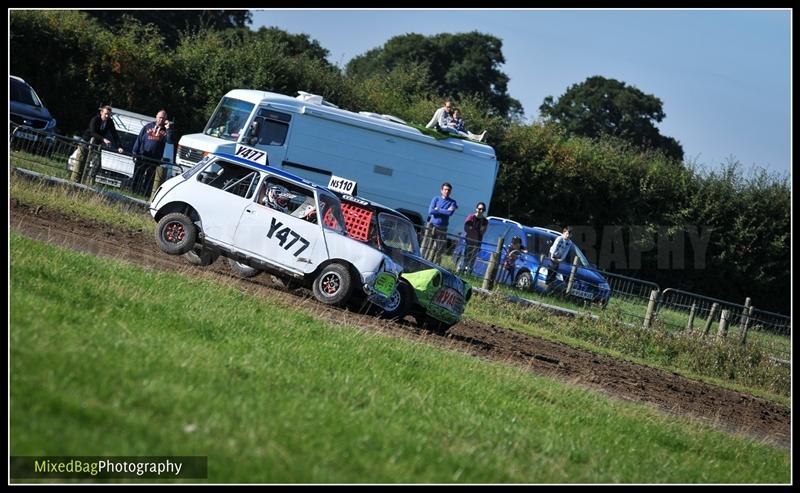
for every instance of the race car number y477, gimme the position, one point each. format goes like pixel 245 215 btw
pixel 282 236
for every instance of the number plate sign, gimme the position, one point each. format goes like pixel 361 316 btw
pixel 384 284
pixel 449 299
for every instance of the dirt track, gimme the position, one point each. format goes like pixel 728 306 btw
pixel 726 409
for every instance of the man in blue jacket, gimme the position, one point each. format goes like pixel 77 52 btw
pixel 148 150
pixel 439 213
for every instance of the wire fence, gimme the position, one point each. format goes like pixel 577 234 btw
pixel 84 162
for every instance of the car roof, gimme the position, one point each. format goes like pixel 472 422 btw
pixel 379 207
pixel 536 229
pixel 269 169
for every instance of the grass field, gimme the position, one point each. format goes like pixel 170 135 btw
pixel 113 359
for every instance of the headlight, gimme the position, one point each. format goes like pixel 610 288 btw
pixel 50 124
pixel 390 266
pixel 604 286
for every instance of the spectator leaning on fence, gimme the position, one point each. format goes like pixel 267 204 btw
pixel 439 212
pixel 558 252
pixel 148 150
pixel 102 131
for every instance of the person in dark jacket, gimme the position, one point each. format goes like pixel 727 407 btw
pixel 474 227
pixel 102 131
pixel 148 150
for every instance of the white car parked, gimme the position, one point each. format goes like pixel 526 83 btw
pixel 268 220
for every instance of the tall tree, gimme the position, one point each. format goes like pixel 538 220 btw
pixel 172 23
pixel 458 65
pixel 600 106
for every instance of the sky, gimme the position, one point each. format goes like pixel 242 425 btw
pixel 723 76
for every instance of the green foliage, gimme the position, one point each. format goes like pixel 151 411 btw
pixel 173 23
pixel 600 106
pixel 458 65
pixel 211 63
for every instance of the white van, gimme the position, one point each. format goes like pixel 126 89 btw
pixel 393 163
pixel 117 169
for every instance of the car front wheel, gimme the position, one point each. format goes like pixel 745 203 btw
pixel 333 284
pixel 399 305
pixel 524 281
pixel 176 233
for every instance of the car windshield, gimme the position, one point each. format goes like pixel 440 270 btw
pixel 398 233
pixel 23 93
pixel 229 119
pixel 331 212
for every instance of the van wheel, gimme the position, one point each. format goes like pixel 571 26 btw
pixel 524 281
pixel 241 270
pixel 176 233
pixel 200 256
pixel 399 305
pixel 333 284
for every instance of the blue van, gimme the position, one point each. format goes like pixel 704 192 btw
pixel 588 283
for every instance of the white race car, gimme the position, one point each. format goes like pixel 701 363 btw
pixel 264 219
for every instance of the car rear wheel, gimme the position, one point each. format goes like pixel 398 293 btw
pixel 241 270
pixel 333 285
pixel 176 233
pixel 200 256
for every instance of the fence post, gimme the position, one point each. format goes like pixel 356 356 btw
pixel 710 319
pixel 158 179
pixel 572 274
pixel 722 332
pixel 426 240
pixel 648 317
pixel 77 169
pixel 743 337
pixel 491 269
pixel 690 323
pixel 744 312
pixel 536 274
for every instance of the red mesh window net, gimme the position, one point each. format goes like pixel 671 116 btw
pixel 357 220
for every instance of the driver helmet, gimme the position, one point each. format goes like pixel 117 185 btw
pixel 278 198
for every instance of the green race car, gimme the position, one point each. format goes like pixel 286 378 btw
pixel 433 295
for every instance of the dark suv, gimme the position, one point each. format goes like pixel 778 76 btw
pixel 588 283
pixel 27 110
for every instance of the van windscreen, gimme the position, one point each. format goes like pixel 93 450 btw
pixel 229 119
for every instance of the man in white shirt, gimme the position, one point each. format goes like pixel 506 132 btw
pixel 440 117
pixel 558 252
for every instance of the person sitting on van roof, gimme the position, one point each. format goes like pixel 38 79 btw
pixel 439 116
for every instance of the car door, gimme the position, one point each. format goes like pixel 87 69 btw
pixel 219 193
pixel 272 228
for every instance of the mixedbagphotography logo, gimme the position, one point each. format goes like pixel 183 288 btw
pixel 97 467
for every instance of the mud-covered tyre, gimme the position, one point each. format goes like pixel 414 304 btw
pixel 524 281
pixel 240 269
pixel 176 233
pixel 333 284
pixel 436 326
pixel 399 305
pixel 200 256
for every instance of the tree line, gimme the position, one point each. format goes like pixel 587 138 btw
pixel 595 158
